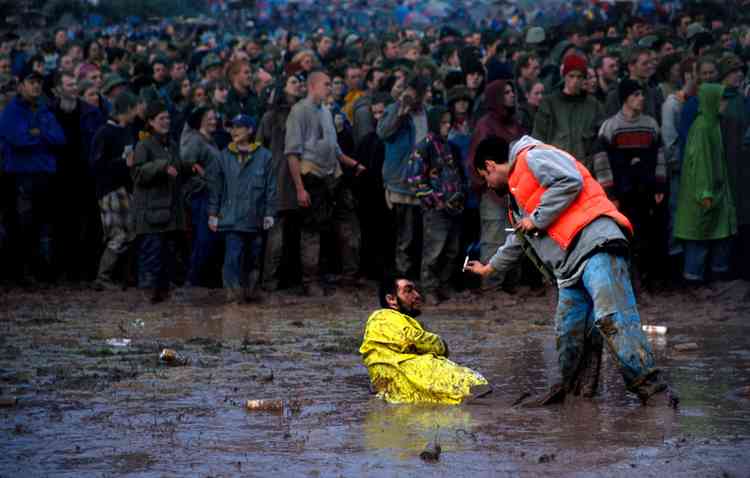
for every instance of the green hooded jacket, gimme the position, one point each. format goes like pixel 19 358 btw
pixel 705 176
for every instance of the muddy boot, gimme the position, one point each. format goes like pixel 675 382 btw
pixel 556 394
pixel 586 381
pixel 655 386
pixel 107 264
pixel 250 293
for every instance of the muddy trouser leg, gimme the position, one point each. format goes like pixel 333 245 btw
pixel 251 250
pixel 204 239
pixel 607 281
pixel 347 229
pixel 149 261
pixel 573 322
pixel 315 220
pixel 274 253
pixel 33 206
pixel 233 260
pixel 436 228
pixel 404 219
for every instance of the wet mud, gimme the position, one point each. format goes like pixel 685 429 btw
pixel 78 406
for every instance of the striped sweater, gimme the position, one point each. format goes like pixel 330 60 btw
pixel 629 156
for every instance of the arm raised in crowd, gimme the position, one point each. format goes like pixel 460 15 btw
pixel 391 122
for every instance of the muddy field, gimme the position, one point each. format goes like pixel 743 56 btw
pixel 85 408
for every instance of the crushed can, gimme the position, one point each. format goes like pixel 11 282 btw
pixel 171 357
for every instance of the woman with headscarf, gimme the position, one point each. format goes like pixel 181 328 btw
pixel 706 218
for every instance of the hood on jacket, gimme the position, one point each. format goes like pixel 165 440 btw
pixel 494 96
pixel 434 115
pixel 517 146
pixel 709 99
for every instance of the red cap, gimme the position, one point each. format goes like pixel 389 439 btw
pixel 574 63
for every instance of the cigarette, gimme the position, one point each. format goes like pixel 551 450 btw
pixel 509 229
pixel 466 261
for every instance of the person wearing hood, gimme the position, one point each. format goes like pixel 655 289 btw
pixel 569 118
pixel 500 121
pixel 706 217
pixel 199 150
pixel 632 169
pixel 435 174
pixel 158 175
pixel 578 233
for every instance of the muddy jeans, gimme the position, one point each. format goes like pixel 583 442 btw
pixel 407 219
pixel 441 239
pixel 241 259
pixel 205 241
pixel 332 209
pixel 605 295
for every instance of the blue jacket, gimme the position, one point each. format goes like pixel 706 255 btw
pixel 241 195
pixel 22 151
pixel 399 137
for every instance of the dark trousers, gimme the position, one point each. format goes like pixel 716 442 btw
pixel 331 215
pixel 34 209
pixel 408 225
pixel 205 241
pixel 156 260
pixel 241 254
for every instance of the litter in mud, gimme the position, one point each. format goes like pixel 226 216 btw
pixel 273 405
pixel 171 357
pixel 686 347
pixel 655 329
pixel 118 342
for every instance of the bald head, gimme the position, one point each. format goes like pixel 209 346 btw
pixel 318 86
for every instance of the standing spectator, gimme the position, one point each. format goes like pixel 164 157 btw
pixel 241 99
pixel 436 176
pixel 242 204
pixel 158 176
pixel 641 65
pixel 632 170
pixel 569 118
pixel 282 244
pixel 499 122
pixel 404 125
pixel 527 74
pixel 315 161
pixel 378 243
pixel 199 151
pixel 607 68
pixel 112 156
pixel 362 121
pixel 734 126
pixel 527 111
pixel 706 217
pixel 29 133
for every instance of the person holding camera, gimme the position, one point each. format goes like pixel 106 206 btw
pixel 403 126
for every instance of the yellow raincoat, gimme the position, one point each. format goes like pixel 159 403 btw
pixel 407 364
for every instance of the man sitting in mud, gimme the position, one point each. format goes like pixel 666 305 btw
pixel 408 364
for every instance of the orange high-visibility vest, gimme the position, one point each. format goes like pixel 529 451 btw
pixel 591 202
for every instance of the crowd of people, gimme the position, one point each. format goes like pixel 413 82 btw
pixel 275 159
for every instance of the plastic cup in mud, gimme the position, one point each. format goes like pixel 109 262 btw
pixel 171 357
pixel 265 405
pixel 655 329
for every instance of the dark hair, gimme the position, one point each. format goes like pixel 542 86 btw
pixel 419 84
pixel 389 286
pixel 492 148
pixel 381 97
pixel 371 74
